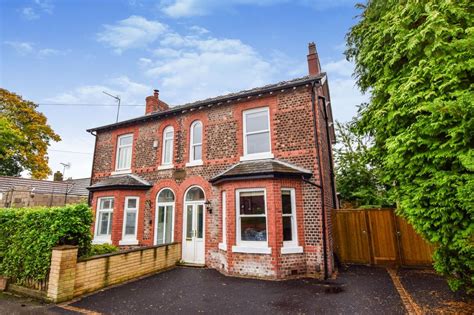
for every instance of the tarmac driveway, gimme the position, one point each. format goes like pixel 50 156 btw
pixel 366 290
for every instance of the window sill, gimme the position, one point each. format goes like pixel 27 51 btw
pixel 292 250
pixel 128 242
pixel 119 172
pixel 260 156
pixel 98 241
pixel 194 163
pixel 165 167
pixel 251 250
pixel 222 246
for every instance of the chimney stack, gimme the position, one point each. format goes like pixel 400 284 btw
pixel 314 66
pixel 153 103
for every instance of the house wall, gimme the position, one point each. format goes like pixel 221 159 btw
pixel 20 197
pixel 292 140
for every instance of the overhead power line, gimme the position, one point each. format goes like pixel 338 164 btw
pixel 84 104
pixel 65 151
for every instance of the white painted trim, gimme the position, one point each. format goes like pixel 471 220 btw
pixel 128 242
pixel 129 171
pixel 224 218
pixel 294 221
pixel 98 241
pixel 130 238
pixel 251 250
pixel 120 170
pixel 194 163
pixel 102 239
pixel 248 244
pixel 167 129
pixel 166 167
pixel 157 204
pixel 191 144
pixel 222 246
pixel 255 156
pixel 291 250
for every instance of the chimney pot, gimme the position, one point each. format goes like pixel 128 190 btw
pixel 153 103
pixel 156 93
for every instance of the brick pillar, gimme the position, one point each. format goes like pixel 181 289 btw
pixel 62 273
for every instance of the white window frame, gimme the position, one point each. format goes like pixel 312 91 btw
pixel 223 244
pixel 291 247
pixel 130 239
pixel 103 239
pixel 256 247
pixel 192 160
pixel 261 155
pixel 164 204
pixel 117 155
pixel 169 165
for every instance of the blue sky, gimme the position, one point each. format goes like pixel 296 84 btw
pixel 68 52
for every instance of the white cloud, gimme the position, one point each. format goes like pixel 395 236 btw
pixel 47 52
pixel 340 68
pixel 133 32
pixel 23 48
pixel 187 8
pixel 45 5
pixel 29 13
pixel 26 48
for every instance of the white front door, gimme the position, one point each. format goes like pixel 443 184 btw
pixel 193 234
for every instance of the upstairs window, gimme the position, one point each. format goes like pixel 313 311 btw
pixel 168 137
pixel 257 133
pixel 124 152
pixel 196 142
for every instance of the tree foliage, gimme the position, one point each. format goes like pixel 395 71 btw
pixel 416 59
pixel 58 176
pixel 357 173
pixel 25 137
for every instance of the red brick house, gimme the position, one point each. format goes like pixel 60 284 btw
pixel 244 181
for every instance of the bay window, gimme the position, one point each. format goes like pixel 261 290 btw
pixel 130 220
pixel 256 125
pixel 290 235
pixel 103 222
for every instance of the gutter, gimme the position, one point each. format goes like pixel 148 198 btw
pixel 321 186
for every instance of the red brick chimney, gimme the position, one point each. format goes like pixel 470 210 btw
pixel 153 103
pixel 314 66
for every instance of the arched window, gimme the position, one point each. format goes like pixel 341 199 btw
pixel 164 216
pixel 195 194
pixel 168 136
pixel 196 142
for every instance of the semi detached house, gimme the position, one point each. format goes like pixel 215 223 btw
pixel 243 181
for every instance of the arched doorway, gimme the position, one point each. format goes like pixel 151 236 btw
pixel 164 227
pixel 193 225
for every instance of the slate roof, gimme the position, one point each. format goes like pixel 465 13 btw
pixel 219 99
pixel 267 168
pixel 71 187
pixel 126 181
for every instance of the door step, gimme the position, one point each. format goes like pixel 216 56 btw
pixel 186 264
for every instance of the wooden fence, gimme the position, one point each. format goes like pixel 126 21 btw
pixel 378 236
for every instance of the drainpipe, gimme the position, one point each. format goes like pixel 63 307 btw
pixel 89 197
pixel 321 186
pixel 328 139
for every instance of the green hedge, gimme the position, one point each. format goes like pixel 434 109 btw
pixel 28 235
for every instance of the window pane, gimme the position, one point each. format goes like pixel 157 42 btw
pixel 252 203
pixel 253 229
pixel 286 201
pixel 200 217
pixel 169 134
pixel 104 218
pixel 195 194
pixel 168 151
pixel 258 143
pixel 130 222
pixel 125 140
pixel 132 203
pixel 197 133
pixel 106 203
pixel 166 195
pixel 256 121
pixel 287 233
pixel 160 225
pixel 197 152
pixel 125 158
pixel 189 222
pixel 168 225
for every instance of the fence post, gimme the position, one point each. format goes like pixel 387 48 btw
pixel 62 273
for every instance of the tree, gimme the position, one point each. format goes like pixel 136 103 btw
pixel 25 137
pixel 357 173
pixel 416 58
pixel 58 176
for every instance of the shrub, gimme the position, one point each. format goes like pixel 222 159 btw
pixel 28 235
pixel 100 249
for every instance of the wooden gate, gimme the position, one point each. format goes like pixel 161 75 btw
pixel 378 236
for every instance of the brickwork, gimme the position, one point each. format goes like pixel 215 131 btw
pixel 292 140
pixel 62 273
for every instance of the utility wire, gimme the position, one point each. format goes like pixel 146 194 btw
pixel 65 151
pixel 65 104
